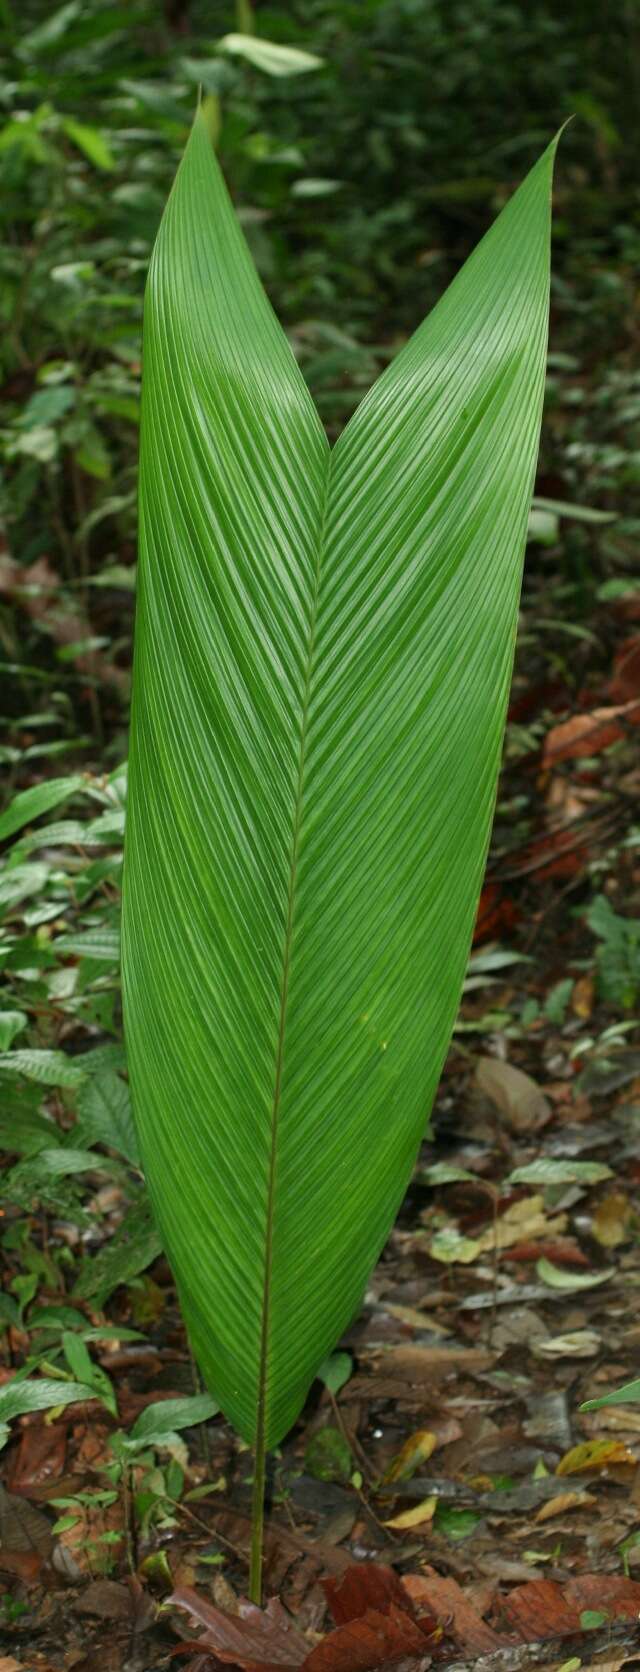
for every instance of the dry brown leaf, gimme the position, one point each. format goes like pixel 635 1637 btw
pixel 39 1457
pixel 105 1599
pixel 23 1529
pixel 254 1638
pixel 420 1364
pixel 623 1420
pixel 582 997
pixel 514 1093
pixel 448 1601
pixel 588 734
pixel 565 1501
pixel 372 1643
pixel 524 1220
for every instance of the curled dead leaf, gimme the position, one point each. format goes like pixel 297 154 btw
pixel 595 1454
pixel 564 1501
pixel 416 1517
pixel 514 1093
pixel 415 1451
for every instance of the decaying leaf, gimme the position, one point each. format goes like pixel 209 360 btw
pixel 562 1502
pixel 514 1093
pixel 254 1638
pixel 416 1516
pixel 595 1454
pixel 613 1220
pixel 415 1451
pixel 588 734
pixel 578 1343
pixel 449 1603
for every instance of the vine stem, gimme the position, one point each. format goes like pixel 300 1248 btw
pixel 257 1519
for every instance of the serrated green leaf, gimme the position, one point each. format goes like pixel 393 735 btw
pixel 69 832
pixel 323 657
pixel 48 1068
pixel 135 1245
pixel 29 804
pixel 102 944
pixel 105 1116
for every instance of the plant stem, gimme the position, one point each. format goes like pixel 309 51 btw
pixel 257 1521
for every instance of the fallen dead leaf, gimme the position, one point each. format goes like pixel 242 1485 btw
pixel 416 1516
pixel 106 1600
pixel 371 1643
pixel 588 734
pixel 540 1610
pixel 24 1531
pixel 39 1457
pixel 524 1219
pixel 254 1638
pixel 595 1454
pixel 612 1220
pixel 624 1420
pixel 582 997
pixel 578 1343
pixel 448 1601
pixel 624 686
pixel 420 1364
pixel 514 1093
pixel 564 1501
pixel 415 1451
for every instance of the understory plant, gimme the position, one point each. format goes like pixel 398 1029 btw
pixel 324 645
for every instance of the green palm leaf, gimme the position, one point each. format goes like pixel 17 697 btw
pixel 323 654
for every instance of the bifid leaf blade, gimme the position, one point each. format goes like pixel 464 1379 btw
pixel 323 654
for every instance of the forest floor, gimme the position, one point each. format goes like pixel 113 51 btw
pixel 444 1454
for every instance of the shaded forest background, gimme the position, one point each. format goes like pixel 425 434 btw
pixel 362 185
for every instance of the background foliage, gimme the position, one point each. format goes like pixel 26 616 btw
pixel 362 185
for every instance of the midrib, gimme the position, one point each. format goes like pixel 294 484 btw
pixel 284 991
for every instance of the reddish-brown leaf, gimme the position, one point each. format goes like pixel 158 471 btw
pixel 363 1586
pixel 497 912
pixel 545 1609
pixel 446 1599
pixel 557 853
pixel 615 1596
pixel 256 1639
pixel 624 686
pixel 23 1564
pixel 371 1644
pixel 40 1457
pixel 563 1252
pixel 588 734
pixel 539 1610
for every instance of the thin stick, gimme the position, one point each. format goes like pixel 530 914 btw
pixel 257 1521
